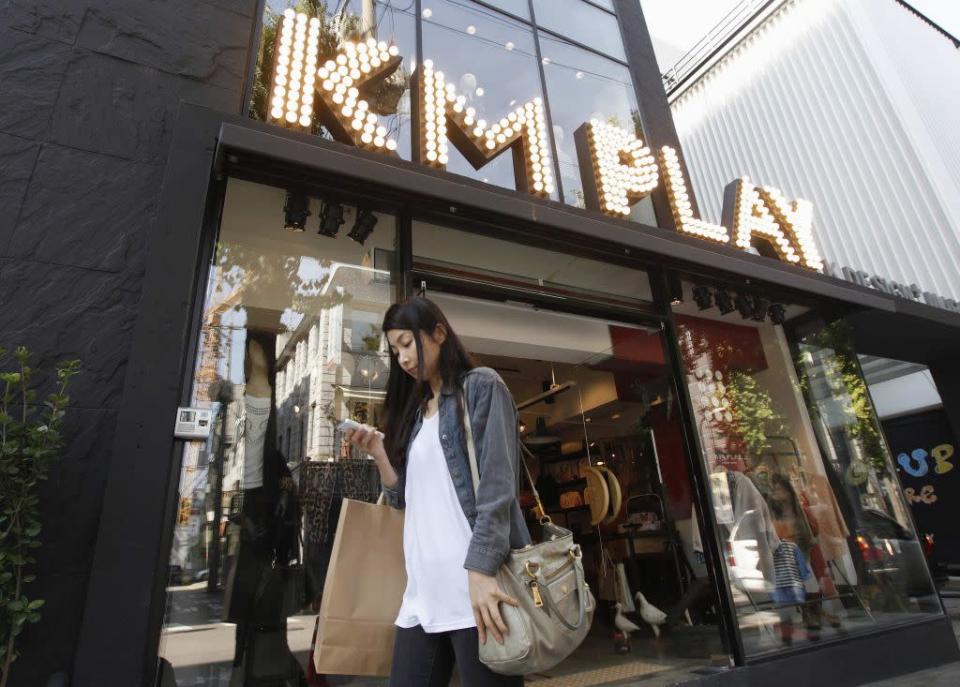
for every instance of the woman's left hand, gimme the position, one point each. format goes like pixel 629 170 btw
pixel 485 598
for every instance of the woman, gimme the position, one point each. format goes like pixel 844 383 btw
pixel 453 542
pixel 794 523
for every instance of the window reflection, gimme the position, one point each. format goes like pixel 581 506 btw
pixel 581 22
pixel 289 346
pixel 479 258
pixel 813 526
pixel 583 86
pixel 391 22
pixel 492 62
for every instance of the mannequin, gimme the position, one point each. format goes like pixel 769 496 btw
pixel 268 518
pixel 257 408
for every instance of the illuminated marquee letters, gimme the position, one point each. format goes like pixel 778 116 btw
pixel 617 168
pixel 756 212
pixel 680 201
pixel 338 82
pixel 445 115
pixel 622 171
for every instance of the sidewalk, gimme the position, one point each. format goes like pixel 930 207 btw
pixel 945 676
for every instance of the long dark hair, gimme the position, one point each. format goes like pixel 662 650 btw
pixel 272 458
pixel 406 394
pixel 805 533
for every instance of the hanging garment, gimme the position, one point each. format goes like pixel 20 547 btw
pixel 324 486
pixel 753 521
pixel 624 595
pixel 790 571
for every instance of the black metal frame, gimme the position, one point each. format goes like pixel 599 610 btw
pixel 129 570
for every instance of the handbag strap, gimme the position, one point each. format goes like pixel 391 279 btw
pixel 472 453
pixel 579 590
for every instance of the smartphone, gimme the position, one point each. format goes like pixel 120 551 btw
pixel 351 424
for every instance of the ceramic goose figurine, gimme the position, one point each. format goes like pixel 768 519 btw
pixel 623 623
pixel 651 615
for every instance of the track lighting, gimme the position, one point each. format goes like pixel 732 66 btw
pixel 725 302
pixel 331 218
pixel 744 305
pixel 363 226
pixel 296 209
pixel 760 307
pixel 778 313
pixel 702 297
pixel 675 288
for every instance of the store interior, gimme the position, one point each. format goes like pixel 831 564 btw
pixel 599 413
pixel 797 463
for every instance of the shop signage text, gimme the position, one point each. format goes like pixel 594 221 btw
pixel 617 168
pixel 917 465
pixel 891 287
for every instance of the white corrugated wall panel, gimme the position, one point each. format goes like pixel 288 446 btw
pixel 801 105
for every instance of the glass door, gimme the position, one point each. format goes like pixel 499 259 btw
pixel 599 410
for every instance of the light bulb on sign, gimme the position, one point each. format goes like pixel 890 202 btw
pixel 625 172
pixel 676 187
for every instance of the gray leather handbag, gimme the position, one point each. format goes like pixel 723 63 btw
pixel 556 606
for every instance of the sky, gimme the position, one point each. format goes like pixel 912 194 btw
pixel 677 25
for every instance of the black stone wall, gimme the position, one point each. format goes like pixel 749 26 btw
pixel 89 92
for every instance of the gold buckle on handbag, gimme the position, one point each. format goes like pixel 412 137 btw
pixel 532 568
pixel 575 552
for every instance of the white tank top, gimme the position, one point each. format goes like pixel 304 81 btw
pixel 436 535
pixel 255 418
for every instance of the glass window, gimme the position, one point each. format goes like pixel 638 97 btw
pixel 582 86
pixel 492 62
pixel 481 258
pixel 583 23
pixel 518 8
pixel 392 23
pixel 816 533
pixel 599 414
pixel 289 346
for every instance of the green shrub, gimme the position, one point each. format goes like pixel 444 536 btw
pixel 29 441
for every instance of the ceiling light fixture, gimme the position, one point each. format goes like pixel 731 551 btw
pixel 702 297
pixel 778 313
pixel 760 307
pixel 725 302
pixel 675 287
pixel 744 305
pixel 331 218
pixel 363 226
pixel 296 209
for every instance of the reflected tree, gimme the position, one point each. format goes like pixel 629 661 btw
pixel 841 372
pixel 384 98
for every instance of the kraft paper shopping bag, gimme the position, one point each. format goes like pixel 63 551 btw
pixel 362 593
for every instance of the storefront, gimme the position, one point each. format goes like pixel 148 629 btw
pixel 696 410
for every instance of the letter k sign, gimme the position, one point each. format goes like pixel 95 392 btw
pixel 355 68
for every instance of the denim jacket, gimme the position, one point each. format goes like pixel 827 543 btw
pixel 494 515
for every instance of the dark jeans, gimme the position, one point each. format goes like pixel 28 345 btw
pixel 422 659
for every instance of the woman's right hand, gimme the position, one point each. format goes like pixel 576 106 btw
pixel 367 439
